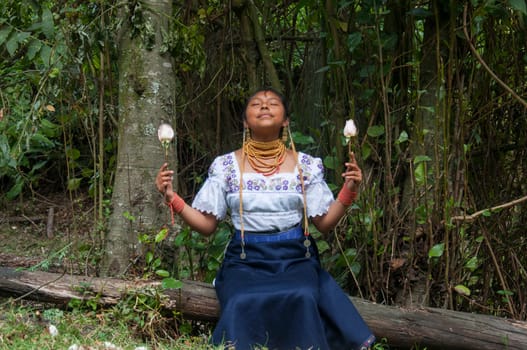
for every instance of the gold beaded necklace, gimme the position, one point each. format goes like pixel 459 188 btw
pixel 265 157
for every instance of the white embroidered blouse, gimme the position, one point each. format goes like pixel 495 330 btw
pixel 270 203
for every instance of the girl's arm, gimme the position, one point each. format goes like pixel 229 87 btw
pixel 201 222
pixel 352 179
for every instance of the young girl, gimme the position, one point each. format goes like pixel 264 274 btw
pixel 271 287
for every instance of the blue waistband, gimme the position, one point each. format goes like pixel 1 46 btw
pixel 292 233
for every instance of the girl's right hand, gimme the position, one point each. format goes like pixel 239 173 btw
pixel 164 182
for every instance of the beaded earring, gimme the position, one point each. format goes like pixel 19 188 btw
pixel 285 134
pixel 307 242
pixel 246 134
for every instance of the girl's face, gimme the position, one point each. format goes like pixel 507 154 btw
pixel 265 115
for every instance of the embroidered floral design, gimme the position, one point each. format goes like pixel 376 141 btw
pixel 255 184
pixel 229 169
pixel 279 184
pixel 276 183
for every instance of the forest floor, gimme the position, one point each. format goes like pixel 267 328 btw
pixel 49 232
pixel 67 243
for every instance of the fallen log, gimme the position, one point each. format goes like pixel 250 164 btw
pixel 403 328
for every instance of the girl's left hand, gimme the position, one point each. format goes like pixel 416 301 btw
pixel 353 174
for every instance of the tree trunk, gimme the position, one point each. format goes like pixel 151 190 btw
pixel 403 328
pixel 146 97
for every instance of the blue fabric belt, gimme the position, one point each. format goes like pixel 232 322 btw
pixel 250 237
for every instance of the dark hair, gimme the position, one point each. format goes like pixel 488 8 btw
pixel 283 99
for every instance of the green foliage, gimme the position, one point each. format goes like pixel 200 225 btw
pixel 90 302
pixel 142 310
pixel 56 258
pixel 201 256
pixel 42 125
pixel 437 251
pixel 26 327
pixel 382 344
pixel 185 44
pixel 197 257
pixel 153 263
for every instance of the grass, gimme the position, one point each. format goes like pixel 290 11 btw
pixel 27 326
pixel 136 322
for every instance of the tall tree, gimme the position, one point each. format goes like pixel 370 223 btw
pixel 146 99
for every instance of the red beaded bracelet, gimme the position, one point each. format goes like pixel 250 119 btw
pixel 176 206
pixel 345 196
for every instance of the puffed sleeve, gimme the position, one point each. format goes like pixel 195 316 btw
pixel 211 198
pixel 318 195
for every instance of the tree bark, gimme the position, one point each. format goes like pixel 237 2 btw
pixel 146 99
pixel 403 328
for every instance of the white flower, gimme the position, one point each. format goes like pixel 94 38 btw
pixel 165 133
pixel 53 330
pixel 110 346
pixel 350 130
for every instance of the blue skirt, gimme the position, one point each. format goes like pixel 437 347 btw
pixel 280 299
